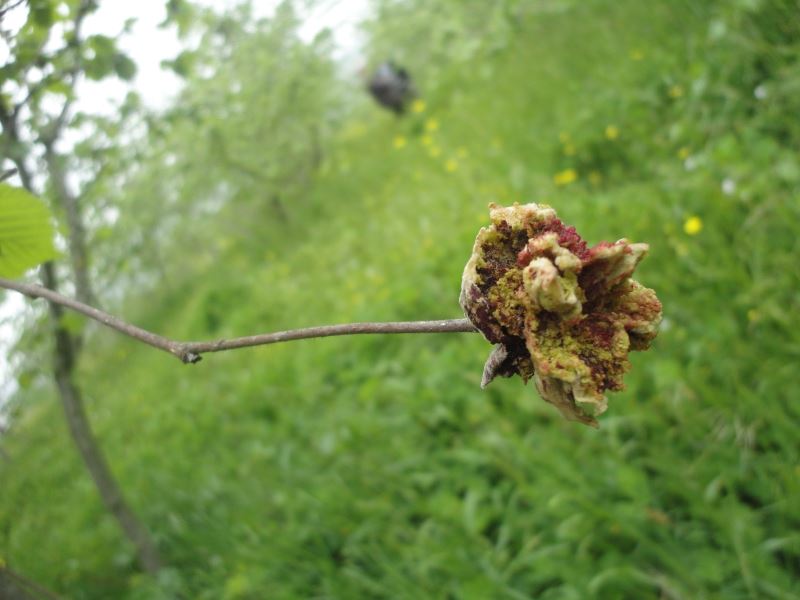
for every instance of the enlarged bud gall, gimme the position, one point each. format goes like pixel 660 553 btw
pixel 560 313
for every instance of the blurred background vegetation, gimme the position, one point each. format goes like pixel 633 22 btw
pixel 272 193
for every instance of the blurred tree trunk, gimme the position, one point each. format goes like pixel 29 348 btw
pixel 67 349
pixel 33 73
pixel 66 353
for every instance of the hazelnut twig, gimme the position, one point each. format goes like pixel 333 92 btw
pixel 190 352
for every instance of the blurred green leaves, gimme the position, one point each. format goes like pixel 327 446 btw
pixel 375 467
pixel 26 231
pixel 103 59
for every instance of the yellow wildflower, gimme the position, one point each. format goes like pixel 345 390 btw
pixel 565 177
pixel 399 142
pixel 676 91
pixel 451 165
pixel 693 225
pixel 418 106
pixel 569 149
pixel 612 132
pixel 462 152
pixel 683 153
pixel 427 140
pixel 431 125
pixel 636 54
pixel 434 151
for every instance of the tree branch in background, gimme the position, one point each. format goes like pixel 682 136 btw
pixel 190 352
pixel 64 359
pixel 66 344
pixel 9 7
pixel 76 231
pixel 69 201
pixel 15 586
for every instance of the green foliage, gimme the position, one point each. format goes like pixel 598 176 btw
pixel 182 14
pixel 374 467
pixel 43 56
pixel 26 232
pixel 241 146
pixel 124 67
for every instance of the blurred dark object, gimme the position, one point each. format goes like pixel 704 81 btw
pixel 391 86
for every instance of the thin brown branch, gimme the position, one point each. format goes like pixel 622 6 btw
pixel 73 73
pixel 190 352
pixel 9 7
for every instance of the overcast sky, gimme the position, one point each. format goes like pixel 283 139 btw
pixel 148 45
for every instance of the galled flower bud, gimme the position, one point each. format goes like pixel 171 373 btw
pixel 559 313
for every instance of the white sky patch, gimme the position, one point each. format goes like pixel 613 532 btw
pixel 148 45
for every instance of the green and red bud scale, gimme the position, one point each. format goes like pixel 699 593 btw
pixel 559 312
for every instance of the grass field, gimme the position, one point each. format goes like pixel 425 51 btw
pixel 375 467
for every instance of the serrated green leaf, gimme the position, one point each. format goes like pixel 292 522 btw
pixel 101 44
pixel 98 68
pixel 124 67
pixel 26 231
pixel 100 61
pixel 182 65
pixel 58 86
pixel 42 13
